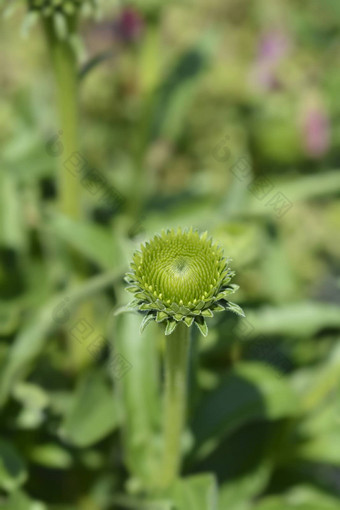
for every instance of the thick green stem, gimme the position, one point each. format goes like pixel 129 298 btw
pixel 65 71
pixel 176 381
pixel 64 63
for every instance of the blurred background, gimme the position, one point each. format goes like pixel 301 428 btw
pixel 221 115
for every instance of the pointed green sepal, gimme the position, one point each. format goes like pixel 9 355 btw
pixel 147 318
pixel 145 306
pixel 174 307
pixel 132 289
pixel 188 321
pixel 235 308
pixel 161 316
pixel 200 305
pixel 170 327
pixel 207 313
pixel 178 317
pixel 202 325
pixel 218 307
pixel 142 296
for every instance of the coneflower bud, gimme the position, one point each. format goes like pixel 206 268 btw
pixel 63 14
pixel 181 277
pixel 66 7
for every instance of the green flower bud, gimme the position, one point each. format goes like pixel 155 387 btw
pixel 181 277
pixel 66 7
pixel 63 14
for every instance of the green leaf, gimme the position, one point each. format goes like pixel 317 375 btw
pixel 26 346
pixel 60 25
pixel 297 190
pixel 132 503
pixel 249 392
pixel 299 319
pixel 12 234
pixel 34 400
pixel 316 384
pixel 33 335
pixel 93 414
pixel 237 493
pixel 20 501
pixel 12 469
pixel 52 456
pixel 178 90
pixel 10 312
pixel 93 241
pixel 140 415
pixel 196 493
pixel 94 62
pixel 322 449
pixel 300 498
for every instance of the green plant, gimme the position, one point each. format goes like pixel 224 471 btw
pixel 64 14
pixel 60 20
pixel 169 116
pixel 179 278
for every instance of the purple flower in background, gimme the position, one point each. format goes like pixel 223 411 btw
pixel 273 47
pixel 315 130
pixel 126 27
pixel 129 25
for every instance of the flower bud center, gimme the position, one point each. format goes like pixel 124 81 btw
pixel 180 265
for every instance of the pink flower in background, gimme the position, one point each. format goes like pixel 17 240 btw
pixel 126 27
pixel 315 130
pixel 129 25
pixel 273 47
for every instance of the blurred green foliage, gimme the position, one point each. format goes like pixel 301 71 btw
pixel 220 115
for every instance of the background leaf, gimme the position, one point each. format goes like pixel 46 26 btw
pixel 13 471
pixel 196 493
pixel 250 392
pixel 93 413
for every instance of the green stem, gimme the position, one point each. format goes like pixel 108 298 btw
pixel 176 375
pixel 64 63
pixel 65 70
pixel 149 75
